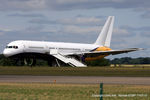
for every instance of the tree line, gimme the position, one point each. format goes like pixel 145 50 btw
pixel 101 62
pixel 129 60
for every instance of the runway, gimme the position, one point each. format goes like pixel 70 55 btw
pixel 75 79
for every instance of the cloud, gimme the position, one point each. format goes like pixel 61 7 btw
pixel 3 31
pixel 82 21
pixel 42 21
pixel 35 15
pixel 30 5
pixel 121 32
pixel 21 5
pixel 125 42
pixel 78 30
pixel 145 9
pixel 145 33
pixel 146 15
pixel 86 21
pixel 130 28
pixel 90 4
pixel 142 31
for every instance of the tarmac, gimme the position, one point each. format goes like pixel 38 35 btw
pixel 74 79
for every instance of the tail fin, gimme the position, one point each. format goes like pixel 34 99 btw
pixel 104 37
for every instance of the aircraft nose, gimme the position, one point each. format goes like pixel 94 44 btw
pixel 6 53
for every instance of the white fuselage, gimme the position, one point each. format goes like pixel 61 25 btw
pixel 42 47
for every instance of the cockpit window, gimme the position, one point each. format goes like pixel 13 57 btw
pixel 9 46
pixel 15 47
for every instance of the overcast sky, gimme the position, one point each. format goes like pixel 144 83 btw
pixel 76 21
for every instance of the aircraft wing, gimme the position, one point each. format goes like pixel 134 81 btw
pixel 111 52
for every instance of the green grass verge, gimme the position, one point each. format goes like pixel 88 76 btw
pixel 75 71
pixel 37 91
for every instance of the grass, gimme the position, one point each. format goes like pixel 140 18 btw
pixel 37 91
pixel 76 71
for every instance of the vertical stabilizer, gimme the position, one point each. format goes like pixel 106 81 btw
pixel 104 37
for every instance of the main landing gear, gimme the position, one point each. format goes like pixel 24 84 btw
pixel 25 62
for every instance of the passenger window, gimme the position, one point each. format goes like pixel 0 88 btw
pixel 10 47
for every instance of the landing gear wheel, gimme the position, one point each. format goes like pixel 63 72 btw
pixel 29 61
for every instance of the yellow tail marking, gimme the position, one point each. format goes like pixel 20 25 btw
pixel 103 49
pixel 98 56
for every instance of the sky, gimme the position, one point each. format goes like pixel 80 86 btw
pixel 77 21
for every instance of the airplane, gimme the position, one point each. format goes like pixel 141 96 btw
pixel 26 52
